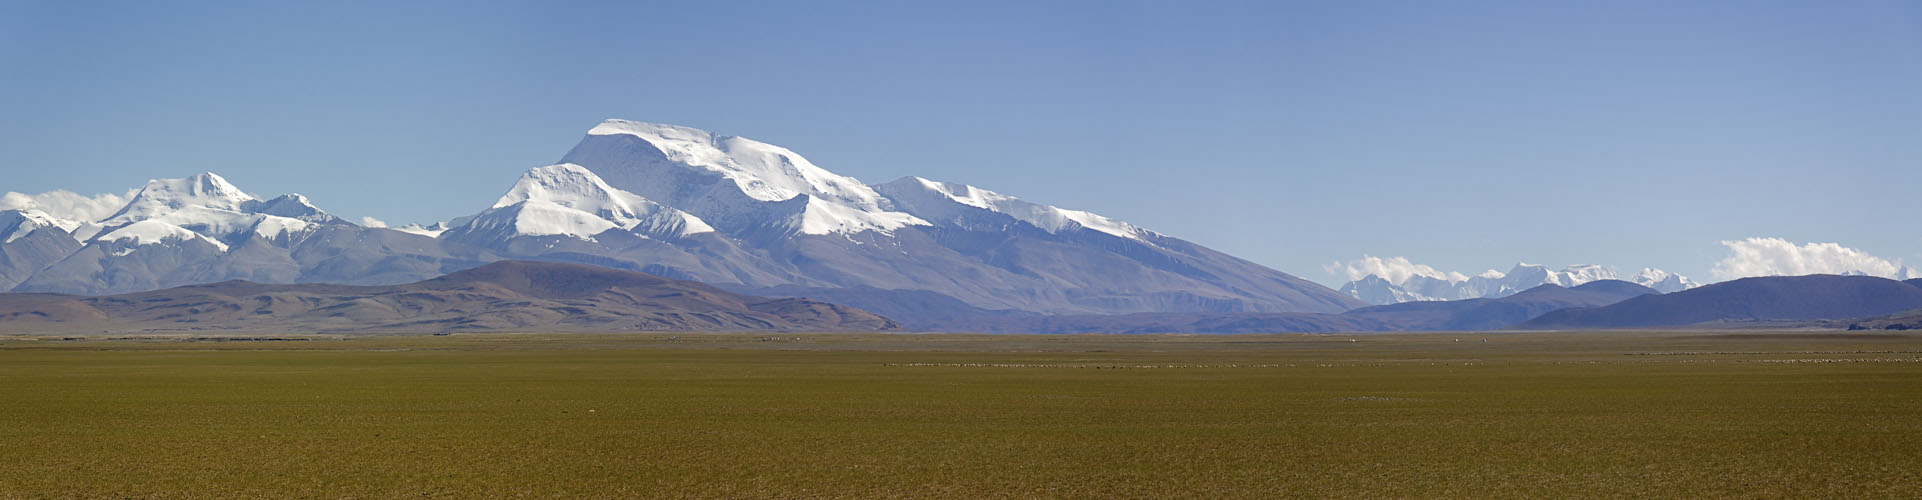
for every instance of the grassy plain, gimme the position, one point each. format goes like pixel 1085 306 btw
pixel 1620 415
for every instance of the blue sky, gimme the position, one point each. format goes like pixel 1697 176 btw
pixel 1461 135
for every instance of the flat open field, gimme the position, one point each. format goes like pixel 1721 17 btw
pixel 1619 415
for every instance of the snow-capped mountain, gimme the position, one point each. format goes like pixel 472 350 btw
pixel 672 201
pixel 779 220
pixel 208 206
pixel 197 229
pixel 1376 289
pixel 733 183
pixel 15 224
pixel 570 200
pixel 1663 281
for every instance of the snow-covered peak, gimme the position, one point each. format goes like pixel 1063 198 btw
pixel 1378 290
pixel 208 205
pixel 1429 284
pixel 934 200
pixel 1663 281
pixel 573 187
pixel 15 224
pixel 293 206
pixel 1525 276
pixel 733 183
pixel 570 200
pixel 570 186
pixel 1576 275
pixel 163 196
pixel 764 171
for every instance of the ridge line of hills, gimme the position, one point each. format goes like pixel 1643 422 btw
pixel 566 297
pixel 501 296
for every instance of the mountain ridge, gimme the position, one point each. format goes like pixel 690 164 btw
pixel 678 202
pixel 1759 300
pixel 1423 284
pixel 1458 315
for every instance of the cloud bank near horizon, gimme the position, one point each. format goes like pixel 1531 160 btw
pixel 1780 257
pixel 68 204
pixel 1396 270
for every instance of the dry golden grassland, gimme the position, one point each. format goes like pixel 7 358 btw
pixel 1616 415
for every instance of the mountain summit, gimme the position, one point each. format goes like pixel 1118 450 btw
pixel 677 202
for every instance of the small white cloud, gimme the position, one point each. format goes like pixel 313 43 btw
pixel 68 205
pixel 372 222
pixel 1396 270
pixel 1780 257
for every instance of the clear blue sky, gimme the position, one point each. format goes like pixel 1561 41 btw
pixel 1463 135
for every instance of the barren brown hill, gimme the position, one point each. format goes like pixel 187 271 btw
pixel 502 296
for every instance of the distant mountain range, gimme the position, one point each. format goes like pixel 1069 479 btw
pixel 565 297
pixel 671 201
pixel 1470 314
pixel 1376 289
pixel 1747 302
pixel 1775 302
pixel 754 220
pixel 502 296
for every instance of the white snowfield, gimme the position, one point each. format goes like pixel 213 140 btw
pixel 152 232
pixel 430 230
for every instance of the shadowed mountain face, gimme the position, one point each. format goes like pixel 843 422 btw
pixel 1472 314
pixel 1915 282
pixel 502 296
pixel 1748 300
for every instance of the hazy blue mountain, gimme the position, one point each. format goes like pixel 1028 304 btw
pixel 1747 300
pixel 1376 289
pixel 1470 314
